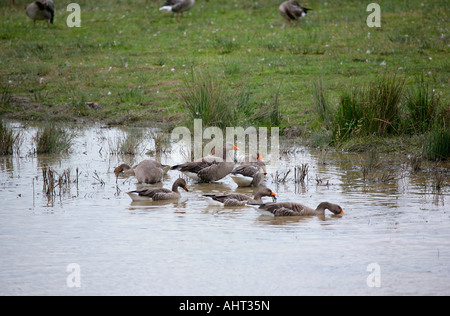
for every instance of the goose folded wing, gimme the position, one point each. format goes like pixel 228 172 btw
pixel 246 171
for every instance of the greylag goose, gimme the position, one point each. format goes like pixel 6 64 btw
pixel 296 209
pixel 177 6
pixel 250 173
pixel 41 11
pixel 292 10
pixel 237 199
pixel 209 171
pixel 147 171
pixel 159 194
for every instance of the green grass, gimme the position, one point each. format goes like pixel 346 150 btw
pixel 134 61
pixel 10 141
pixel 53 140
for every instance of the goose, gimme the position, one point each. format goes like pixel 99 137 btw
pixel 237 199
pixel 209 171
pixel 147 171
pixel 159 194
pixel 41 11
pixel 296 209
pixel 250 173
pixel 177 6
pixel 292 10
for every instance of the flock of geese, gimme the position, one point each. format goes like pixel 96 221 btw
pixel 220 163
pixel 214 167
pixel 45 10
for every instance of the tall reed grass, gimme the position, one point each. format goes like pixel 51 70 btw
pixel 9 140
pixel 437 144
pixel 385 107
pixel 217 105
pixel 422 103
pixel 53 140
pixel 322 106
pixel 372 109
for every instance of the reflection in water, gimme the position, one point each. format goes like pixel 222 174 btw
pixel 188 247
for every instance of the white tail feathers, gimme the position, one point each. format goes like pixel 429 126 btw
pixel 166 8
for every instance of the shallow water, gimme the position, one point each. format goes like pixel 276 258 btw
pixel 191 248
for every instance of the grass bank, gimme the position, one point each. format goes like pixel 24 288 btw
pixel 129 63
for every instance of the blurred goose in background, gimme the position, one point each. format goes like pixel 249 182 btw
pixel 251 172
pixel 159 194
pixel 177 6
pixel 292 10
pixel 237 199
pixel 44 10
pixel 210 170
pixel 147 171
pixel 296 209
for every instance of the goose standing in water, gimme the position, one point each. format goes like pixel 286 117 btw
pixel 250 173
pixel 147 171
pixel 159 194
pixel 292 10
pixel 41 11
pixel 177 6
pixel 296 209
pixel 237 199
pixel 210 171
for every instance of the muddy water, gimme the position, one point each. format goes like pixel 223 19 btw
pixel 394 237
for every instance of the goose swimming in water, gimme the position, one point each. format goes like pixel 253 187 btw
pixel 296 209
pixel 250 173
pixel 210 170
pixel 147 171
pixel 237 199
pixel 159 194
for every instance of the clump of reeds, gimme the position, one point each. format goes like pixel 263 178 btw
pixel 322 106
pixel 208 99
pixel 53 140
pixel 370 110
pixel 437 145
pixel 53 180
pixel 281 176
pixel 162 142
pixel 415 161
pixel 300 173
pixel 372 169
pixel 422 103
pixel 5 95
pixel 49 185
pixel 439 179
pixel 129 143
pixel 10 141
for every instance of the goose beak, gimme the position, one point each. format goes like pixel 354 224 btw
pixel 342 212
pixel 274 196
pixel 235 148
pixel 185 188
pixel 260 158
